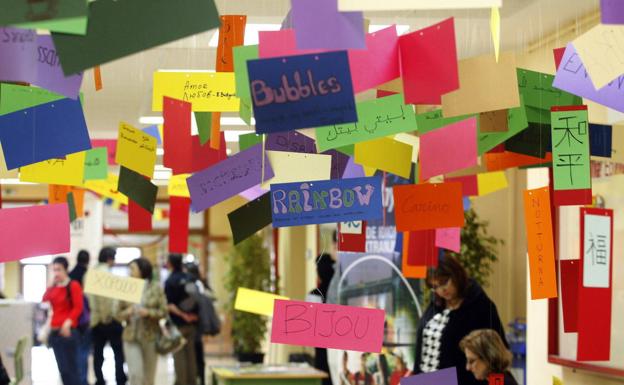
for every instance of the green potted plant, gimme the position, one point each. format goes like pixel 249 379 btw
pixel 249 267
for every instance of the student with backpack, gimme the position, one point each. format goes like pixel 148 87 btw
pixel 66 310
pixel 84 349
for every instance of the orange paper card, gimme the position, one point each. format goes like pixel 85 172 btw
pixel 540 243
pixel 231 34
pixel 410 271
pixel 428 206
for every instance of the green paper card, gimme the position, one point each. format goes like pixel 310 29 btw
pixel 26 11
pixel 241 54
pixel 248 140
pixel 73 25
pixel 120 28
pixel 14 98
pixel 537 91
pixel 71 205
pixel 570 146
pixel 96 164
pixel 244 110
pixel 376 118
pixel 516 121
pixel 204 123
pixel 138 188
pixel 347 150
pixel 433 120
pixel 536 115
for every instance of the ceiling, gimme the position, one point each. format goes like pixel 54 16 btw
pixel 127 83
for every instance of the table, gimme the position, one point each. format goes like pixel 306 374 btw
pixel 267 375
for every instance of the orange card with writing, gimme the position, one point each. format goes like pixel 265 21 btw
pixel 540 243
pixel 231 34
pixel 428 206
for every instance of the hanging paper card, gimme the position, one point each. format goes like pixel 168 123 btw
pixel 352 236
pixel 422 250
pixel 433 120
pixel 228 178
pixel 241 55
pixel 107 189
pixel 250 218
pixel 154 131
pixel 376 118
pixel 68 171
pixel 493 121
pixel 111 148
pixel 429 63
pixel 445 376
pixel 600 140
pixel 74 25
pixel 139 27
pixel 338 163
pixel 254 301
pixel 19 11
pixel 14 97
pixel 301 91
pixel 49 222
pixel 49 73
pixel 104 284
pixel 486 85
pixel 138 188
pixel 496 379
pixel 19 50
pixel 572 77
pixel 231 34
pixel 570 145
pixel 96 165
pixel 403 5
pixel 409 252
pixel 516 122
pixel 385 154
pixel 291 141
pixel 470 184
pixel 459 140
pixel 535 141
pixel 177 186
pixel 136 150
pixel 448 238
pixel 280 43
pixel 541 246
pixel 503 160
pixel 428 206
pixel 558 54
pixel 413 141
pixel 378 63
pixel 600 50
pixel 489 182
pixel 139 219
pixel 206 91
pixel 340 200
pixel 290 167
pixel 249 140
pixel 47 131
pixel 341 30
pixel 178 224
pixel 204 126
pixel 537 90
pixel 327 326
pixel 595 285
pixel 570 276
pixel 611 12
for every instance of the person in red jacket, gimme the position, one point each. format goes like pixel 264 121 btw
pixel 65 298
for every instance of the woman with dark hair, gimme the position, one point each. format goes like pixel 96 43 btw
pixel 141 325
pixel 459 306
pixel 486 354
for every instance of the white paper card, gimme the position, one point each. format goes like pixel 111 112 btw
pixel 597 251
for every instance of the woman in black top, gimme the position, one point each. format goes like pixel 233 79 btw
pixel 459 306
pixel 487 355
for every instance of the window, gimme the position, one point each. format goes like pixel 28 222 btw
pixel 34 279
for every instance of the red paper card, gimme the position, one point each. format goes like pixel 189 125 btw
pixel 572 197
pixel 570 273
pixel 139 219
pixel 496 379
pixel 177 134
pixel 408 270
pixel 378 63
pixel 594 312
pixel 422 250
pixel 231 34
pixel 428 206
pixel 280 43
pixel 558 53
pixel 349 239
pixel 179 208
pixel 470 186
pixel 429 63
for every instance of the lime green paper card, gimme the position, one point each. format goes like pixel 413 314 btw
pixel 433 120
pixel 570 147
pixel 241 54
pixel 96 164
pixel 204 123
pixel 248 140
pixel 73 25
pixel 537 91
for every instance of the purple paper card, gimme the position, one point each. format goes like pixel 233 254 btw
pixel 612 11
pixel 49 72
pixel 290 141
pixel 18 50
pixel 228 178
pixel 253 193
pixel 319 25
pixel 353 170
pixel 572 77
pixel 338 163
pixel 441 377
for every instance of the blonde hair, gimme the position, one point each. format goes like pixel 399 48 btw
pixel 489 347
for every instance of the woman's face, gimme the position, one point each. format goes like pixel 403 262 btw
pixel 59 273
pixel 476 365
pixel 445 288
pixel 134 271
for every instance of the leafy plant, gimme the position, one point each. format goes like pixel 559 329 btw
pixel 249 267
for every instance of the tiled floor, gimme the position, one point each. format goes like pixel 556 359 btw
pixel 44 370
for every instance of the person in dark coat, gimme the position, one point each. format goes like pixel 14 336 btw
pixel 459 306
pixel 82 264
pixel 324 272
pixel 487 355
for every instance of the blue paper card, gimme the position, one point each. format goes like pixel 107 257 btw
pixel 301 91
pixel 328 201
pixel 600 137
pixel 153 131
pixel 50 130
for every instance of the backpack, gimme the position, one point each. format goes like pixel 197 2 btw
pixel 209 323
pixel 85 317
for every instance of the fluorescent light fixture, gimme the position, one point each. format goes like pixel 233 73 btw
pixel 13 181
pixel 162 174
pixel 232 136
pixel 151 120
pixel 401 28
pixel 251 33
pixel 160 151
pixel 234 121
pixel 228 151
pixel 225 121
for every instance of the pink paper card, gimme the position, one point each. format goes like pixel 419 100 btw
pixel 449 148
pixel 328 326
pixel 280 43
pixel 33 231
pixel 448 238
pixel 378 63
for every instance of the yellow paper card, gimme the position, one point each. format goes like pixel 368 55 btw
pixel 385 154
pixel 136 150
pixel 490 182
pixel 369 171
pixel 178 187
pixel 68 171
pixel 290 167
pixel 413 141
pixel 557 381
pixel 105 284
pixel 254 301
pixel 495 27
pixel 207 91
pixel 601 50
pixel 4 173
pixel 107 188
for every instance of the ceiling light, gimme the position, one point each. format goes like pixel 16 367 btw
pixel 160 151
pixel 234 121
pixel 401 28
pixel 151 120
pixel 162 174
pixel 251 33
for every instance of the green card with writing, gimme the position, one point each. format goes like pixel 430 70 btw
pixel 570 147
pixel 74 25
pixel 241 54
pixel 14 98
pixel 120 28
pixel 248 140
pixel 433 120
pixel 516 122
pixel 537 91
pixel 96 164
pixel 204 123
pixel 26 11
pixel 376 118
